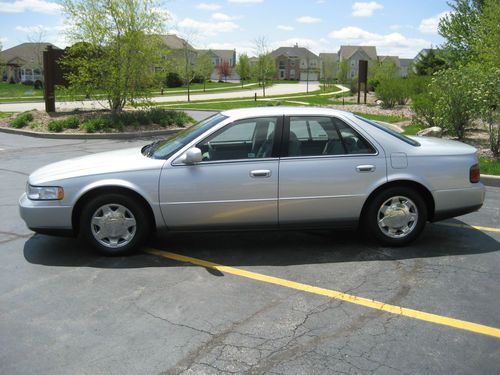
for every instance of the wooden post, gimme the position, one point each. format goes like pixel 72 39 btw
pixel 49 86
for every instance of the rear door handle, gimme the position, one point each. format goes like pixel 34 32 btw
pixel 260 173
pixel 365 168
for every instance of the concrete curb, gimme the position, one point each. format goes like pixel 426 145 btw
pixel 139 134
pixel 490 180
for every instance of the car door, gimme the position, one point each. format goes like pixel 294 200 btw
pixel 327 171
pixel 235 184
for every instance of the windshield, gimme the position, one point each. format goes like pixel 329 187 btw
pixel 400 136
pixel 165 148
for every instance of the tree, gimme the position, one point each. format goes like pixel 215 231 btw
pixel 343 71
pixel 430 63
pixel 243 68
pixel 224 69
pixel 184 66
pixel 486 45
pixel 122 49
pixel 460 29
pixel 265 68
pixel 204 67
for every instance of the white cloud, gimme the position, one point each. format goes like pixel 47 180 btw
pixel 208 28
pixel 308 19
pixel 285 28
pixel 224 17
pixel 245 1
pixel 41 28
pixel 365 9
pixel 37 6
pixel 388 44
pixel 430 25
pixel 4 39
pixel 207 6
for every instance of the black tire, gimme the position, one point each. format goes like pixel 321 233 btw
pixel 133 210
pixel 398 237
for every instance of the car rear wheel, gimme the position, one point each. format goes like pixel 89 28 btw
pixel 395 216
pixel 114 224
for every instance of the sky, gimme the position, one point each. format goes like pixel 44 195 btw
pixel 401 28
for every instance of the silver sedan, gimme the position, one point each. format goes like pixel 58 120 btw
pixel 276 167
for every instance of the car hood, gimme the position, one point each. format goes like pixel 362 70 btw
pixel 130 159
pixel 439 146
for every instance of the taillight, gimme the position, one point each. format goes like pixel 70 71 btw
pixel 474 173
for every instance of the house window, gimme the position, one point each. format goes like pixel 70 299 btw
pixel 282 74
pixel 282 64
pixel 292 73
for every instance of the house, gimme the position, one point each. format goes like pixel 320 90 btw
pixel 221 56
pixel 352 54
pixel 24 63
pixel 328 65
pixel 405 66
pixel 296 63
pixel 176 48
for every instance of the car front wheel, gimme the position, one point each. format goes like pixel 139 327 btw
pixel 114 224
pixel 396 216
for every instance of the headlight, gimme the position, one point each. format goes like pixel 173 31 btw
pixel 45 193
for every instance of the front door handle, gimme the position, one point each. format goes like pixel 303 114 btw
pixel 365 168
pixel 260 173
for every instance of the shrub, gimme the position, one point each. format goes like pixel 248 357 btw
pixel 392 91
pixel 56 126
pixel 38 84
pixel 97 124
pixel 453 92
pixel 173 80
pixel 68 123
pixel 22 120
pixel 424 110
pixel 28 82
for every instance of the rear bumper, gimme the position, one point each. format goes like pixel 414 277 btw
pixel 47 217
pixel 456 202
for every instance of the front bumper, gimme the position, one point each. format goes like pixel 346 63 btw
pixel 45 216
pixel 455 202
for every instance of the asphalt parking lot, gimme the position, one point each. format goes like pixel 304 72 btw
pixel 272 306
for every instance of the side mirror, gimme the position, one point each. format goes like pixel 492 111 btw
pixel 192 156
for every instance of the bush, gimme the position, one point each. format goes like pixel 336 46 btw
pixel 453 92
pixel 173 80
pixel 56 126
pixel 392 91
pixel 28 82
pixel 59 125
pixel 38 84
pixel 424 110
pixel 97 124
pixel 22 120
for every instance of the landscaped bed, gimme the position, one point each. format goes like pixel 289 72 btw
pixel 98 121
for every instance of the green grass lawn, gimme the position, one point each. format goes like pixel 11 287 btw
pixel 4 114
pixel 17 90
pixel 412 129
pixel 384 118
pixel 490 166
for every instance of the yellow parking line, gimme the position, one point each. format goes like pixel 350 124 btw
pixel 420 315
pixel 486 229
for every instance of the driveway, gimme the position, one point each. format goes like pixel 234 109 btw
pixel 245 302
pixel 278 89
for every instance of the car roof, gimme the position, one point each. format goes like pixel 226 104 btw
pixel 282 110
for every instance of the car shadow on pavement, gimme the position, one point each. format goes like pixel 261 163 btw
pixel 273 248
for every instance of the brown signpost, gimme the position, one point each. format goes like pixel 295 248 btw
pixel 362 78
pixel 53 76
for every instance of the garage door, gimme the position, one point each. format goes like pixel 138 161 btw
pixel 312 76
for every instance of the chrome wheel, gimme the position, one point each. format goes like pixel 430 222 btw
pixel 397 217
pixel 113 225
